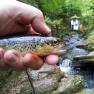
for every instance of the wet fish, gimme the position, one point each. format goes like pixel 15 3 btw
pixel 38 44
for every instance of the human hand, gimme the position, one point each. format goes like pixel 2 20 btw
pixel 14 59
pixel 17 17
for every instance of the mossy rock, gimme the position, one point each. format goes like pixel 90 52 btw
pixel 16 83
pixel 70 85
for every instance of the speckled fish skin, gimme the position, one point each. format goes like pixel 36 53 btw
pixel 25 43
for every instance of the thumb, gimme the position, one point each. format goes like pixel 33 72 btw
pixel 34 17
pixel 39 25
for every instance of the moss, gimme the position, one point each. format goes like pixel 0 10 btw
pixel 90 39
pixel 7 81
pixel 3 77
pixel 24 91
pixel 56 92
pixel 77 85
pixel 14 75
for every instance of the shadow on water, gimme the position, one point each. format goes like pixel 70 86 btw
pixel 68 66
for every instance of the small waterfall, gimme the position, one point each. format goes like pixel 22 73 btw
pixel 67 64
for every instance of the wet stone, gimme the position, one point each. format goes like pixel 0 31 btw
pixel 46 79
pixel 70 85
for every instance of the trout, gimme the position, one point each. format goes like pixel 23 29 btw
pixel 36 44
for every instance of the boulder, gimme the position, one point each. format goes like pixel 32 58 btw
pixel 70 85
pixel 45 80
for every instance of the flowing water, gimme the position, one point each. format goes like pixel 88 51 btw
pixel 68 66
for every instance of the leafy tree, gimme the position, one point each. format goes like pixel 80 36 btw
pixel 31 2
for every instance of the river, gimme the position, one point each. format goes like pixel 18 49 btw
pixel 68 66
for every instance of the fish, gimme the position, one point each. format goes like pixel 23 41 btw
pixel 36 44
pixel 42 46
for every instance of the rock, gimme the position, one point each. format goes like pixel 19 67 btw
pixel 70 85
pixel 86 91
pixel 82 46
pixel 85 46
pixel 78 52
pixel 91 53
pixel 16 83
pixel 46 79
pixel 84 60
pixel 83 57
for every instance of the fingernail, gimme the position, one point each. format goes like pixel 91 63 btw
pixel 52 59
pixel 48 30
pixel 11 58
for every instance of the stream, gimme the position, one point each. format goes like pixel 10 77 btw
pixel 68 66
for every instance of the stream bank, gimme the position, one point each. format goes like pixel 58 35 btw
pixel 70 68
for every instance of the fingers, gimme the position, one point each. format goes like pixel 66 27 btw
pixel 33 16
pixel 17 62
pixel 52 59
pixel 39 26
pixel 3 66
pixel 13 59
pixel 33 61
pixel 18 16
pixel 32 31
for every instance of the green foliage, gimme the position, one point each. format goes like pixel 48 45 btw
pixel 90 22
pixel 51 8
pixel 57 21
pixel 3 77
pixel 88 15
pixel 48 20
pixel 58 9
pixel 31 2
pixel 53 22
pixel 91 7
pixel 90 38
